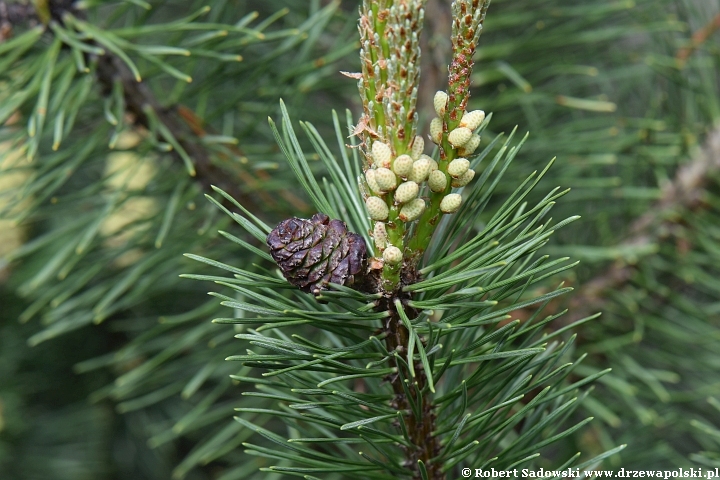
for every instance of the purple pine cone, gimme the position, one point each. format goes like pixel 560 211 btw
pixel 312 253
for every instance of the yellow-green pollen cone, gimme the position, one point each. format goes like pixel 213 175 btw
pixel 457 167
pixel 417 148
pixel 406 192
pixel 381 154
pixel 440 102
pixel 451 203
pixel 473 119
pixel 437 181
pixel 380 236
pixel 385 179
pixel 412 210
pixel 392 255
pixel 371 182
pixel 460 136
pixel 377 208
pixel 463 179
pixel 402 165
pixel 436 130
pixel 420 170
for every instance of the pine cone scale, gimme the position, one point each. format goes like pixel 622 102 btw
pixel 312 253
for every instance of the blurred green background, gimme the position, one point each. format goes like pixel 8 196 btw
pixel 109 365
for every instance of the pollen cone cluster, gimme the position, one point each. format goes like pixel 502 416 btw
pixel 463 141
pixel 463 137
pixel 312 253
pixel 394 181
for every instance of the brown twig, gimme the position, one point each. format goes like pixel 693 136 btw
pixel 180 121
pixel 425 446
pixel 698 38
pixel 14 14
pixel 198 127
pixel 685 192
pixel 138 97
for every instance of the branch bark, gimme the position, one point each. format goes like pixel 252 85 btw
pixel 12 14
pixel 685 192
pixel 698 38
pixel 184 126
pixel 138 97
pixel 425 446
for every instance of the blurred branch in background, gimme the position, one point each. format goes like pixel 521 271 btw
pixel 597 83
pixel 685 193
pixel 14 14
pixel 698 38
pixel 99 189
pixel 180 123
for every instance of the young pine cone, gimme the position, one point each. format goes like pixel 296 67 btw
pixel 312 253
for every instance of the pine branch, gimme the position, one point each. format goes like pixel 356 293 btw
pixel 685 192
pixel 425 444
pixel 698 38
pixel 424 415
pixel 139 99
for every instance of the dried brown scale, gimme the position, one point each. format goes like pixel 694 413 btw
pixel 312 253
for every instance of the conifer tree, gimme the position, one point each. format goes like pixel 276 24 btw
pixel 414 369
pixel 103 193
pixel 624 93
